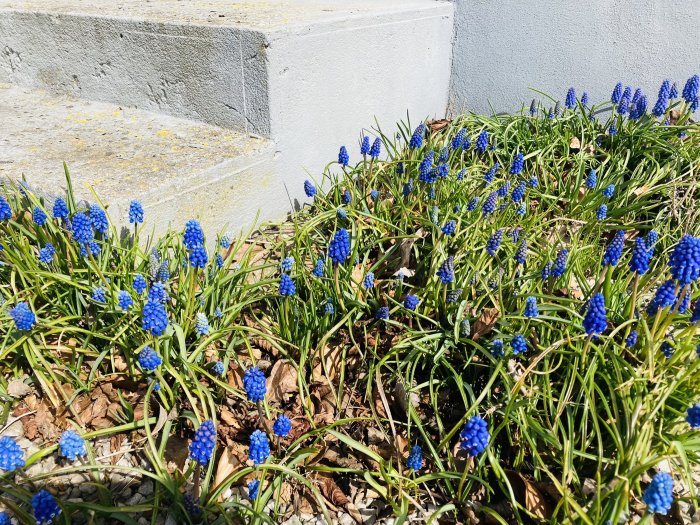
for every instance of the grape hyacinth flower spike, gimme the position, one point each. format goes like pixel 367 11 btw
pixel 415 458
pixel 595 321
pixel 474 437
pixel 202 446
pixel 11 455
pixel 45 507
pixel 659 494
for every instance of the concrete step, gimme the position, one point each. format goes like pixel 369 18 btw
pixel 308 74
pixel 178 168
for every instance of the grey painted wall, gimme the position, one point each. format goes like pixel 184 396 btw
pixel 504 47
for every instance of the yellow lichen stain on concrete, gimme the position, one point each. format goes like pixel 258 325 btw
pixel 163 132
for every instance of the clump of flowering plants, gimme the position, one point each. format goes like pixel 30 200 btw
pixel 470 305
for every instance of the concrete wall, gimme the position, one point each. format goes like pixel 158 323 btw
pixel 354 71
pixel 504 47
pixel 205 73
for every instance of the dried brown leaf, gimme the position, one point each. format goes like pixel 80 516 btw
pixel 282 381
pixel 529 496
pixel 228 462
pixel 18 389
pixel 332 491
pixel 327 363
pixel 437 125
pixel 486 321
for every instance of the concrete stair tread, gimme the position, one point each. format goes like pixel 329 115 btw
pixel 121 153
pixel 263 15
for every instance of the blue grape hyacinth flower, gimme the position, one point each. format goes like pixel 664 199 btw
pixel 155 318
pixel 202 446
pixel 592 179
pixel 584 99
pixel 282 426
pixel 693 416
pixel 446 272
pixel 135 212
pixel 417 137
pixel 253 489
pixel 343 157
pixel 659 494
pixel 482 142
pixel 339 249
pixel 382 313
pixel 595 321
pixel 415 458
pixel 45 507
pixel 665 296
pixel 71 445
pixel 518 163
pixel 489 205
pixel 23 316
pixel 411 302
pixel 614 251
pixel 617 93
pixel 99 219
pixel 570 101
pixel 521 252
pixel 364 145
pixel 11 455
pixel 198 257
pixel 449 228
pixel 491 173
pixel 124 300
pixel 193 235
pixel 5 210
pixel 559 265
pixel 287 264
pixel 376 148
pixel 684 262
pixel 459 138
pixel 60 209
pixel 139 284
pixel 39 216
pixel 673 93
pixel 254 384
pixel 518 344
pixel 201 326
pixel 99 295
pixel 609 191
pixel 192 506
pixel 631 339
pixel 149 359
pixel 474 437
pixel 531 307
pixel 346 197
pixel 368 281
pixel 494 242
pixel 639 263
pixel 309 189
pixel 691 89
pixel 518 192
pixel 46 253
pixel 259 447
pixel 82 228
pixel 602 212
pixel 497 348
pixel 218 368
pixel 319 267
pixel 158 293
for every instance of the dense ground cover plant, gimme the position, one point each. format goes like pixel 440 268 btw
pixel 489 318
